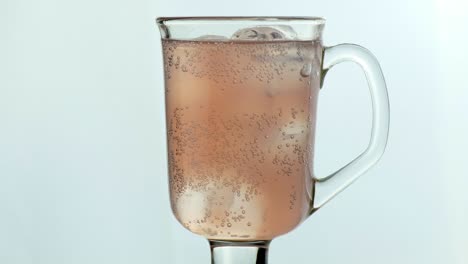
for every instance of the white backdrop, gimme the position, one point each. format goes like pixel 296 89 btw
pixel 82 146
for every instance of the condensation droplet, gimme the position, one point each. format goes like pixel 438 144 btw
pixel 229 224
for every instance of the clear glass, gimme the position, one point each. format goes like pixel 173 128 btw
pixel 241 101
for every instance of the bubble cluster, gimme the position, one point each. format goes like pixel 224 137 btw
pixel 237 63
pixel 239 136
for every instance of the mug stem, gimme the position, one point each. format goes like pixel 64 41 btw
pixel 229 252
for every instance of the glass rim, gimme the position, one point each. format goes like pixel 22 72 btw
pixel 236 19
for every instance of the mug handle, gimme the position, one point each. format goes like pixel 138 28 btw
pixel 327 187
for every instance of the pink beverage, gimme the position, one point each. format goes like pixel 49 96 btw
pixel 240 120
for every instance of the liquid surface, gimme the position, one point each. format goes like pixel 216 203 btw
pixel 240 121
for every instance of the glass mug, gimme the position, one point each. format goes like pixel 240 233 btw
pixel 241 102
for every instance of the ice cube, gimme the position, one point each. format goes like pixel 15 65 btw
pixel 265 33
